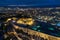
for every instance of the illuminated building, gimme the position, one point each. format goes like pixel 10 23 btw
pixel 26 21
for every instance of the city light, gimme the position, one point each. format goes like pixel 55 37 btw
pixel 30 23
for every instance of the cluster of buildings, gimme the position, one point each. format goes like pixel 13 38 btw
pixel 28 16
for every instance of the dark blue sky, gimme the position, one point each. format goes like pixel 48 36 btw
pixel 30 2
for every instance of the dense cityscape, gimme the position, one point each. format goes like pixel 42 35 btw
pixel 30 23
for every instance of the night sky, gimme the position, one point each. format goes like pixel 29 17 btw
pixel 30 2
